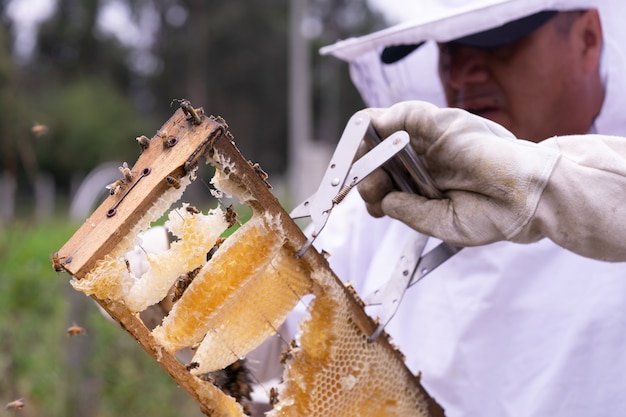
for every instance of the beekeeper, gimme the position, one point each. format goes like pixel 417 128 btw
pixel 504 329
pixel 569 189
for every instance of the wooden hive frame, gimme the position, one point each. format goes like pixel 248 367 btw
pixel 178 147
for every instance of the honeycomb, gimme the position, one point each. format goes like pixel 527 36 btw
pixel 110 277
pixel 113 279
pixel 334 371
pixel 244 255
pixel 258 309
pixel 241 292
pixel 197 234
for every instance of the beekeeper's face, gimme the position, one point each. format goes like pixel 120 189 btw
pixel 545 84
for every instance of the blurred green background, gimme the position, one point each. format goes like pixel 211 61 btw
pixel 79 81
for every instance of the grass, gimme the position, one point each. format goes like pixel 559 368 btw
pixel 103 373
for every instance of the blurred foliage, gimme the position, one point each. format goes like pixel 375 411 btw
pixel 89 122
pixel 97 92
pixel 101 373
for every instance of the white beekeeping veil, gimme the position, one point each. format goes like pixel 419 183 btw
pixel 429 21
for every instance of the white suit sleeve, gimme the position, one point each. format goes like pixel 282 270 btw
pixel 583 206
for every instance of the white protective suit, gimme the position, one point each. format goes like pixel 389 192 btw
pixel 504 329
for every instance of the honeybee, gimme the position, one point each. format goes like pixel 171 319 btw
pixel 190 112
pixel 192 210
pixel 208 378
pixel 192 365
pixel 144 142
pixel 214 249
pixel 15 404
pixel 183 282
pixel 262 174
pixel 273 396
pixel 56 262
pixel 230 215
pixel 115 187
pixel 172 182
pixel 38 129
pixel 128 176
pixel 75 329
pixel 287 355
pixel 168 140
pixel 234 380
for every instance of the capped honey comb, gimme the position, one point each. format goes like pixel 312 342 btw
pixel 245 253
pixel 254 314
pixel 335 371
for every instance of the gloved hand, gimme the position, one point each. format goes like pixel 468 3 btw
pixel 499 188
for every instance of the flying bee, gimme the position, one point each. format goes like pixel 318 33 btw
pixel 15 404
pixel 38 129
pixel 128 176
pixel 75 329
pixel 172 182
pixel 115 187
pixel 231 216
pixel 144 142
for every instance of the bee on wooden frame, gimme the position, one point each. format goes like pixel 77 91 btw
pixel 144 142
pixel 56 262
pixel 168 140
pixel 115 187
pixel 125 170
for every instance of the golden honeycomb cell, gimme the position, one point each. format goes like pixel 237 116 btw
pixel 335 371
pixel 254 313
pixel 246 252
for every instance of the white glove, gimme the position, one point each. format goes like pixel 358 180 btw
pixel 499 188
